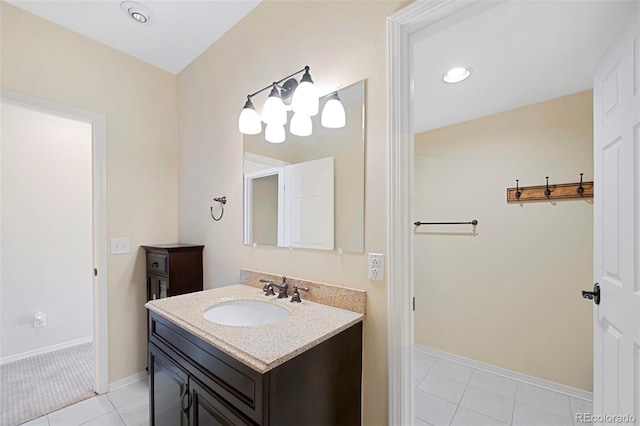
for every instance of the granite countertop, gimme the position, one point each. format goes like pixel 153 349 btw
pixel 262 347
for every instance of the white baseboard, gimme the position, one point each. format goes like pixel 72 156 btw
pixel 509 374
pixel 140 375
pixel 48 349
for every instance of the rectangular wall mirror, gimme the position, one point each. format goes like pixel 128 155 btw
pixel 308 192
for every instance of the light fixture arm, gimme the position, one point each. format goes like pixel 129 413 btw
pixel 306 68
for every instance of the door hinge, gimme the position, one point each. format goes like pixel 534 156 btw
pixel 95 272
pixel 414 304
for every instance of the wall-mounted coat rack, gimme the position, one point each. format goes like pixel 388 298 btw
pixel 550 192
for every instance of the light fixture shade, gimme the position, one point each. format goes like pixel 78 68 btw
pixel 301 125
pixel 305 98
pixel 333 114
pixel 274 133
pixel 274 111
pixel 249 122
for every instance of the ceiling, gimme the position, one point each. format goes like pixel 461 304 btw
pixel 521 52
pixel 177 33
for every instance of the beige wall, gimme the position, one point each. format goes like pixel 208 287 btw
pixel 342 42
pixel 509 295
pixel 139 101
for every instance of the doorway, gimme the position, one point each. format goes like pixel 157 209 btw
pixel 54 238
pixel 402 30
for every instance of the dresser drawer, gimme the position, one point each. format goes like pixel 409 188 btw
pixel 157 262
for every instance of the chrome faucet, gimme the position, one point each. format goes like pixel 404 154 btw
pixel 282 294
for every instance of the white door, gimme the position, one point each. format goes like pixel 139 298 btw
pixel 616 96
pixel 309 204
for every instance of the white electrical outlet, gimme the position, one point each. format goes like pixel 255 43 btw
pixel 120 246
pixel 376 266
pixel 39 319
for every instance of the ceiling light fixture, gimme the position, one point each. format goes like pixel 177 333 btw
pixel 456 75
pixel 287 94
pixel 136 11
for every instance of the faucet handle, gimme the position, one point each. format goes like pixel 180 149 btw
pixel 268 287
pixel 295 297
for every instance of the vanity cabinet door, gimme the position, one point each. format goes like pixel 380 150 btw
pixel 207 409
pixel 169 391
pixel 158 287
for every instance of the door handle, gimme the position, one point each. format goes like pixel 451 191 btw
pixel 593 295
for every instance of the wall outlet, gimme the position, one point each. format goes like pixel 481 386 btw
pixel 39 319
pixel 376 266
pixel 120 246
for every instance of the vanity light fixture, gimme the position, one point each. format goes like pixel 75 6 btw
pixel 286 94
pixel 456 75
pixel 136 11
pixel 333 114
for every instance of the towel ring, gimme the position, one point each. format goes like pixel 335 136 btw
pixel 222 201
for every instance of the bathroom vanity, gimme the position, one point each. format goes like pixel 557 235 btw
pixel 303 370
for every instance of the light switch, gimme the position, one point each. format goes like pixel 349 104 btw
pixel 120 246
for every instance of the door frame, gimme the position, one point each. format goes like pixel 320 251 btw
pixel 248 203
pixel 99 196
pixel 401 26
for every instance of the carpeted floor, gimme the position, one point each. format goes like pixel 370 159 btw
pixel 35 386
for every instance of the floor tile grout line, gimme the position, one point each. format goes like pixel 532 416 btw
pixel 442 399
pixel 515 398
pixel 487 415
pixel 462 396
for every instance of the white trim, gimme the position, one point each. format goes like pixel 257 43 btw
pixel 41 351
pixel 509 374
pixel 99 166
pixel 267 161
pixel 126 381
pixel 401 26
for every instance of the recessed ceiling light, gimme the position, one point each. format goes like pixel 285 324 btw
pixel 456 75
pixel 138 16
pixel 136 11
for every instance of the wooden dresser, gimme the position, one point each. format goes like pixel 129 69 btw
pixel 173 269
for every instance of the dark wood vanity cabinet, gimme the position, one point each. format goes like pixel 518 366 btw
pixel 193 383
pixel 173 269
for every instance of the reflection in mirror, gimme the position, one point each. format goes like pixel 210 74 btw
pixel 308 192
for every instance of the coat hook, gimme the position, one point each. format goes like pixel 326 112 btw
pixel 580 189
pixel 222 201
pixel 547 192
pixel 518 193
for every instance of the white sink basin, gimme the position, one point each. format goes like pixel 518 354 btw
pixel 245 313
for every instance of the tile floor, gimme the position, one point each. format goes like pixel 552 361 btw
pixel 446 393
pixel 126 406
pixel 450 393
